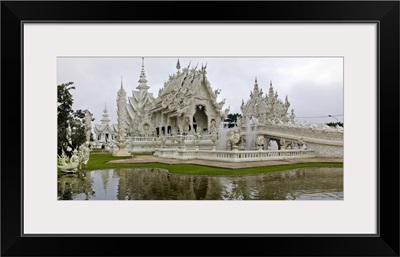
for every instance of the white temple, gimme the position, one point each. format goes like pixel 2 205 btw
pixel 184 121
pixel 185 105
pixel 106 131
pixel 268 108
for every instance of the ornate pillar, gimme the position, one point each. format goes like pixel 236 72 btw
pixel 121 111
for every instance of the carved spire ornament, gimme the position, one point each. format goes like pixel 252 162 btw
pixel 105 119
pixel 142 81
pixel 266 107
pixel 121 112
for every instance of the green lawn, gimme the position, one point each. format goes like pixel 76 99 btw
pixel 99 161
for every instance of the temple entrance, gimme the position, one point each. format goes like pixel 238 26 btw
pixel 201 119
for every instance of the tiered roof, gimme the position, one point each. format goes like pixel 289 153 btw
pixel 105 124
pixel 180 89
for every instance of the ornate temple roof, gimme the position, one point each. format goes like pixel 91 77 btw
pixel 102 128
pixel 181 88
pixel 105 123
pixel 266 107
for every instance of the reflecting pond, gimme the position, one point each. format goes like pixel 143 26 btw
pixel 159 184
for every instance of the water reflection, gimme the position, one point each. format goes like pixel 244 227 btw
pixel 158 184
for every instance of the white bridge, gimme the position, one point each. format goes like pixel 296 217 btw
pixel 324 140
pixel 293 141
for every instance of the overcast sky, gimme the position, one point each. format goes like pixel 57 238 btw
pixel 314 86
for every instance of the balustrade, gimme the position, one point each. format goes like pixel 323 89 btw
pixel 234 156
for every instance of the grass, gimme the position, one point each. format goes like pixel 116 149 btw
pixel 99 161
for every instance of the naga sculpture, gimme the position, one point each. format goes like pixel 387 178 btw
pixel 72 165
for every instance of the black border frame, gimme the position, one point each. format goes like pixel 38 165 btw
pixel 383 13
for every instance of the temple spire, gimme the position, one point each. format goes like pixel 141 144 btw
pixel 105 119
pixel 142 81
pixel 256 85
pixel 121 83
pixel 178 65
pixel 271 90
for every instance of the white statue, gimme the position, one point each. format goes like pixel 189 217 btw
pixel 88 126
pixel 260 140
pixel 213 127
pixel 283 143
pixel 196 139
pixel 62 160
pixel 73 164
pixel 84 154
pixel 214 138
pixel 234 137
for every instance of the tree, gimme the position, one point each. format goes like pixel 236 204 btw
pixel 68 118
pixel 333 124
pixel 232 118
pixel 77 123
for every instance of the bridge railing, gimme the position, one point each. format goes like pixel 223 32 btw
pixel 328 134
pixel 233 156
